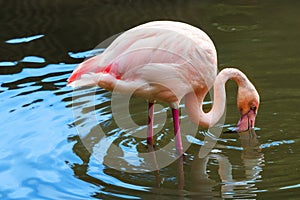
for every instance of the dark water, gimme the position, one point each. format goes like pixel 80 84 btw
pixel 41 154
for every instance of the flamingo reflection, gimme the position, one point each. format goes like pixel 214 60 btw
pixel 252 158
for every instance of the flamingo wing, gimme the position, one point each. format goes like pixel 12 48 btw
pixel 171 54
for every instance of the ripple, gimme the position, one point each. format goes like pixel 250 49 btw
pixel 235 28
pixel 290 187
pixel 8 63
pixel 33 59
pixel 24 39
pixel 86 54
pixel 41 153
pixel 276 143
pixel 36 74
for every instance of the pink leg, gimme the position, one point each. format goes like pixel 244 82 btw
pixel 150 123
pixel 150 143
pixel 178 141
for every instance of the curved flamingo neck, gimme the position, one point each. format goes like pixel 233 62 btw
pixel 194 101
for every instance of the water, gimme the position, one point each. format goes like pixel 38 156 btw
pixel 42 156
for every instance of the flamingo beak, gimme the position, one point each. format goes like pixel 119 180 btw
pixel 247 121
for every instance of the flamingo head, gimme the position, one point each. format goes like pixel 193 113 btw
pixel 248 103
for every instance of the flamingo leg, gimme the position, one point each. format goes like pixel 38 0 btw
pixel 150 123
pixel 179 148
pixel 155 165
pixel 178 142
pixel 150 143
pixel 180 173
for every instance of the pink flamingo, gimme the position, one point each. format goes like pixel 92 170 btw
pixel 166 61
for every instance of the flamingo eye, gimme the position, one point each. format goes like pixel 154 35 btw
pixel 253 107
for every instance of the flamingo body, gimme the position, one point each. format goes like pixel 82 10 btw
pixel 175 55
pixel 165 61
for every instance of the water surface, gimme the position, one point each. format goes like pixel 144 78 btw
pixel 42 155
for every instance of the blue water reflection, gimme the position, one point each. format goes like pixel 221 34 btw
pixel 24 39
pixel 42 155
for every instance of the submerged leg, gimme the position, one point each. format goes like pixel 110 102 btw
pixel 177 133
pixel 179 148
pixel 180 173
pixel 155 165
pixel 150 123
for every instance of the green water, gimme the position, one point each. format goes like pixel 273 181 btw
pixel 41 154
